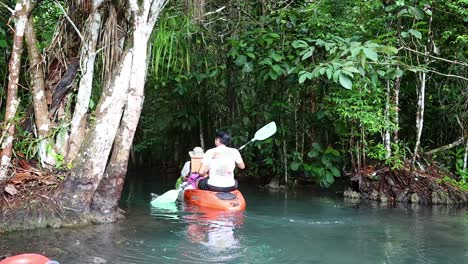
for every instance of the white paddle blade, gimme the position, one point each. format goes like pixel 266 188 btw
pixel 167 197
pixel 266 131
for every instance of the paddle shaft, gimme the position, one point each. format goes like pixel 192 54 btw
pixel 247 144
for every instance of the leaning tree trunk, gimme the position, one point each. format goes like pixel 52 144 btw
pixel 420 113
pixel 88 55
pixel 421 96
pixel 41 116
pixel 106 197
pixel 78 189
pixel 126 89
pixel 22 10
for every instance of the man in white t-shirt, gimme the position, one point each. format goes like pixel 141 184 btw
pixel 220 162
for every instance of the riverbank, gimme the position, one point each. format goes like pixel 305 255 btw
pixel 33 199
pixel 427 185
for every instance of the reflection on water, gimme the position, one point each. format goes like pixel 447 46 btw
pixel 208 235
pixel 293 227
pixel 214 231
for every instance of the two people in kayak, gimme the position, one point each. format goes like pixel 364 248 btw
pixel 218 162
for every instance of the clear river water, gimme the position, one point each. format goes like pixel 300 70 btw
pixel 277 227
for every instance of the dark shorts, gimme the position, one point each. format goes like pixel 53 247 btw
pixel 203 184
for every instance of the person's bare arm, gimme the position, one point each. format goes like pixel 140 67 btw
pixel 203 170
pixel 239 161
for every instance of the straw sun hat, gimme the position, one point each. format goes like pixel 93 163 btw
pixel 196 153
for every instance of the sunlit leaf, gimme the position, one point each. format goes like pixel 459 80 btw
pixel 345 81
pixel 415 33
pixel 372 55
pixel 299 44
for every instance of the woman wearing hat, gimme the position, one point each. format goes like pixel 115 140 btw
pixel 193 165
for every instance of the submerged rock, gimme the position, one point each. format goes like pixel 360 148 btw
pixel 383 198
pixel 401 197
pixel 351 194
pixel 441 197
pixel 275 185
pixel 415 198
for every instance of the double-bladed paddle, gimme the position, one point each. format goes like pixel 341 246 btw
pixel 171 196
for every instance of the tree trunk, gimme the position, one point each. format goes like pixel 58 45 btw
pixel 296 127
pixel 465 157
pixel 396 104
pixel 91 160
pixel 106 198
pixel 22 10
pixel 197 8
pixel 388 148
pixel 41 116
pixel 420 113
pixel 88 55
pixel 422 95
pixel 285 161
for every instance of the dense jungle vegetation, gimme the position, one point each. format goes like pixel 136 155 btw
pixel 353 85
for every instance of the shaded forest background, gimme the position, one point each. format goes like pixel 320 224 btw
pixel 351 85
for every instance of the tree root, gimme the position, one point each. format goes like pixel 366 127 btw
pixel 420 186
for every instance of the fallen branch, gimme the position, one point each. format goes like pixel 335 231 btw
pixel 437 58
pixel 448 75
pixel 449 146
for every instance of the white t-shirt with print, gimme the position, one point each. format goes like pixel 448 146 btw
pixel 221 162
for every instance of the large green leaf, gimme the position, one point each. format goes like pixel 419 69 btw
pixel 308 53
pixel 415 33
pixel 277 68
pixel 371 54
pixel 304 76
pixel 329 177
pixel 295 166
pixel 335 171
pixel 299 44
pixel 312 154
pixel 241 60
pixel 345 81
pixel 277 57
pixel 316 146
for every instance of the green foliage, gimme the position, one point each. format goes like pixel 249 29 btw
pixel 26 144
pixel 325 71
pixel 462 185
pixel 458 156
pixel 321 164
pixel 328 72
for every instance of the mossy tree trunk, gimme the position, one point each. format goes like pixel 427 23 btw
pixel 93 189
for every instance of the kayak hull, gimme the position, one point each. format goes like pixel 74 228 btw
pixel 228 201
pixel 29 258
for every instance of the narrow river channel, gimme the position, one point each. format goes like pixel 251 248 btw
pixel 277 227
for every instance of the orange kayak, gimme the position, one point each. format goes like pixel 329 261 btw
pixel 27 259
pixel 225 201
